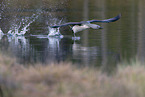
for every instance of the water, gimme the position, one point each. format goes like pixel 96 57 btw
pixel 26 32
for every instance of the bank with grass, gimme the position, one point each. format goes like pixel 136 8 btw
pixel 66 80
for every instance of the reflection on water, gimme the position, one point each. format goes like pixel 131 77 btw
pixel 121 40
pixel 19 45
pixel 44 49
pixel 86 54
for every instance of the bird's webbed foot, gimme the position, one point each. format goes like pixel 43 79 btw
pixel 75 38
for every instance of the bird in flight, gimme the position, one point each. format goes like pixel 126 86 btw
pixel 80 26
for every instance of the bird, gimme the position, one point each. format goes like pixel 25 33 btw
pixel 80 26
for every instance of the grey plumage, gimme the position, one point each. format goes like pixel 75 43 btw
pixel 90 21
pixel 79 26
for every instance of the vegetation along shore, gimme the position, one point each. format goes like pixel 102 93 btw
pixel 66 80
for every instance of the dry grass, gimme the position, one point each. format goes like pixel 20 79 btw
pixel 65 80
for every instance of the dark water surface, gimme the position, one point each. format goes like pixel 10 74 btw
pixel 118 41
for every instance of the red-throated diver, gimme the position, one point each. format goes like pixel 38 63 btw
pixel 79 26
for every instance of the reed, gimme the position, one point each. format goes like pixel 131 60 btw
pixel 66 80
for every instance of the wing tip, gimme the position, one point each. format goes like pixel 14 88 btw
pixel 116 18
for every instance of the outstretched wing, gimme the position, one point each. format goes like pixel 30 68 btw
pixel 107 20
pixel 82 22
pixel 69 23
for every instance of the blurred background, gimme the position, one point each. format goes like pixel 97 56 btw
pixel 105 48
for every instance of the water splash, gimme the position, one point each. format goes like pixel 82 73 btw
pixel 55 32
pixel 1 34
pixel 20 28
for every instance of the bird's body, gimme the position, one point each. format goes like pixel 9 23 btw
pixel 80 26
pixel 94 26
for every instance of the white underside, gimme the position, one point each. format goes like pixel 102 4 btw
pixel 93 26
pixel 77 28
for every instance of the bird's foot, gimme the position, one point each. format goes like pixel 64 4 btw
pixel 75 38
